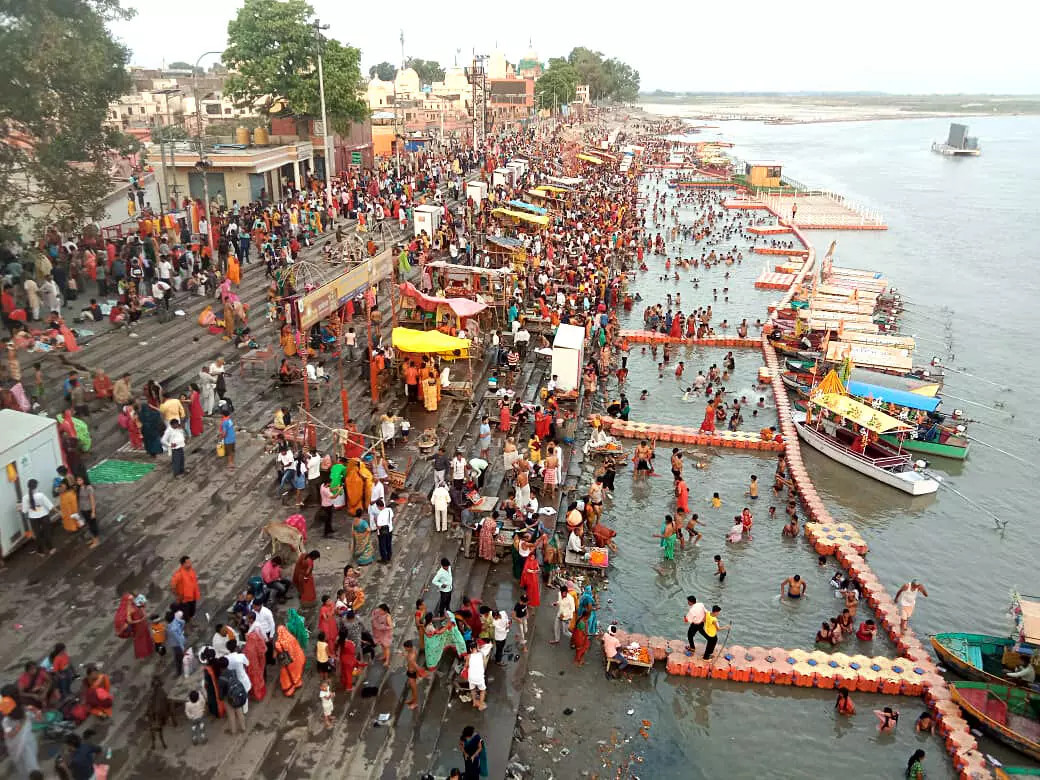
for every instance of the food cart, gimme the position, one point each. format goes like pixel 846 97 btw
pixel 433 342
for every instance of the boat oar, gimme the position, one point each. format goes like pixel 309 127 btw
pixel 1002 452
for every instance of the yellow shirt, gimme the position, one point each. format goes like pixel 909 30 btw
pixel 716 502
pixel 711 625
pixel 321 652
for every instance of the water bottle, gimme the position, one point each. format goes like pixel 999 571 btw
pixel 188 663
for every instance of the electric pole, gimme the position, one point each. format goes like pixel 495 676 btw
pixel 330 163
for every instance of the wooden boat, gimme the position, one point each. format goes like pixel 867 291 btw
pixel 978 657
pixel 1008 714
pixel 1010 772
pixel 878 460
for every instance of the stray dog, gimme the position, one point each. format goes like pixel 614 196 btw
pixel 160 712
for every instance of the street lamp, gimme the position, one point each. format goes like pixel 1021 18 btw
pixel 330 163
pixel 203 164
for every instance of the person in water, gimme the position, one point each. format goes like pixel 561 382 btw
pixel 795 587
pixel 887 720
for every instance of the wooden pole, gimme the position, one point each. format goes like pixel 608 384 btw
pixel 372 377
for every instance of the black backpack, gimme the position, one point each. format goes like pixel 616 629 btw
pixel 235 693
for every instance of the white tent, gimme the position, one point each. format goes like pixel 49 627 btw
pixel 567 358
pixel 29 449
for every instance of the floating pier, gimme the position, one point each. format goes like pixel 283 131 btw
pixel 682 434
pixel 774 281
pixel 651 337
pixel 778 250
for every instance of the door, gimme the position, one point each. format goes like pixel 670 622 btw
pixel 217 190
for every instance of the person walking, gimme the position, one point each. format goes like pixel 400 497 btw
pixel 173 441
pixel 695 616
pixel 227 435
pixel 564 612
pixel 385 531
pixel 441 462
pixel 440 499
pixel 38 507
pixel 502 623
pixel 906 598
pixel 185 587
pixel 474 754
pixel 443 582
pixel 711 630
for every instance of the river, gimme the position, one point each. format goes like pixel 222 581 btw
pixel 960 250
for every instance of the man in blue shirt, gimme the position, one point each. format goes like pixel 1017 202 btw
pixel 227 433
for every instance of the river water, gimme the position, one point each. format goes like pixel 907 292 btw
pixel 959 248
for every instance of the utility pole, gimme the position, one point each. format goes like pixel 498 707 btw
pixel 203 164
pixel 398 135
pixel 330 163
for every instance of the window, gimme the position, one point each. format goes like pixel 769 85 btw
pixel 212 109
pixel 227 110
pixel 773 172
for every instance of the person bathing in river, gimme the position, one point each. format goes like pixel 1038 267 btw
pixel 795 587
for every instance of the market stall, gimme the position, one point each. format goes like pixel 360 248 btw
pixel 492 286
pixel 450 315
pixel 440 345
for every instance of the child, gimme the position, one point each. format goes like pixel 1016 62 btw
pixel 660 370
pixel 321 656
pixel 195 710
pixel 158 628
pixel 720 569
pixel 326 696
pixel 753 488
pixel 887 719
pixel 746 521
pixel 691 528
pixel 716 502
pixel 412 672
pixel 772 512
pixel 406 428
pixel 736 531
pixel 644 395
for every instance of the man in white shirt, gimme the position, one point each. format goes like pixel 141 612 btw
pixel 440 499
pixel 695 617
pixel 501 622
pixel 350 342
pixel 385 530
pixel 237 663
pixel 458 469
pixel 264 625
pixel 521 340
pixel 574 544
pixel 551 384
pixel 313 461
pixel 173 442
pixel 564 612
pixel 443 582
pixel 611 649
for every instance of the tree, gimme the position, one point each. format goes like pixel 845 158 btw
pixel 272 54
pixel 589 66
pixel 180 65
pixel 384 71
pixel 622 80
pixel 557 85
pixel 62 69
pixel 429 70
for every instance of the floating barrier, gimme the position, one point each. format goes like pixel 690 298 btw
pixel 779 250
pixel 680 434
pixel 825 538
pixel 768 230
pixel 774 281
pixel 651 337
pixel 743 203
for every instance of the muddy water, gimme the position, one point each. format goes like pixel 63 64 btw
pixel 959 249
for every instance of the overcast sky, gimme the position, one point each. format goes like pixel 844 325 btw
pixel 909 46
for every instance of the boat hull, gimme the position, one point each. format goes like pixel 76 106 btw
pixel 930 447
pixel 970 697
pixel 946 648
pixel 906 481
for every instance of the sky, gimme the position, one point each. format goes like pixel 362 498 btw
pixel 909 46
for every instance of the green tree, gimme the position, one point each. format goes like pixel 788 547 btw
pixel 384 71
pixel 429 70
pixel 272 53
pixel 589 66
pixel 557 85
pixel 62 69
pixel 622 80
pixel 179 65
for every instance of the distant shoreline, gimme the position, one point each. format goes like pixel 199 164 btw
pixel 798 110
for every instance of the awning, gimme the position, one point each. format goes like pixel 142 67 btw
pixel 590 158
pixel 507 242
pixel 524 206
pixel 867 416
pixel 520 215
pixel 831 384
pixel 897 397
pixel 549 188
pixel 890 358
pixel 1030 620
pixel 463 307
pixel 429 342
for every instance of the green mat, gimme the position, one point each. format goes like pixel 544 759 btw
pixel 116 472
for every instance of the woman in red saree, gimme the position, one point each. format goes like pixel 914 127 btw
pixel 531 581
pixel 676 329
pixel 327 621
pixel 256 652
pixel 504 419
pixel 195 410
pixel 303 578
pixel 287 649
pixel 580 639
pixel 137 619
pixel 347 661
pixel 486 541
pixel 96 693
pixel 211 681
pixel 708 425
pixel 128 420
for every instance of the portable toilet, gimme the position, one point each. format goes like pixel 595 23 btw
pixel 427 218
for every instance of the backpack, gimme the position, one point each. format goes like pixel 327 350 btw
pixel 236 694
